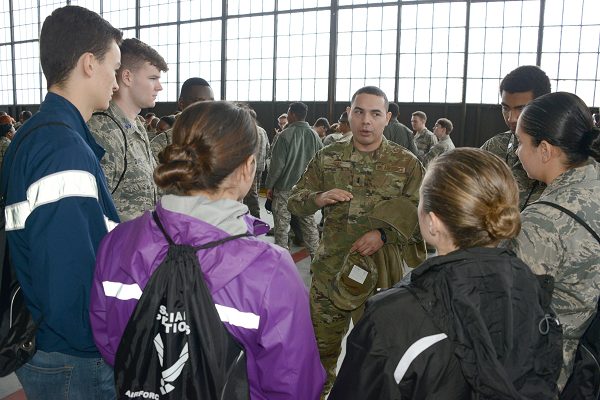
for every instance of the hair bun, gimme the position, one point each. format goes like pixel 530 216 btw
pixel 503 222
pixel 185 165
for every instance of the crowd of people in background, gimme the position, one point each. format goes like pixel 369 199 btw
pixel 497 306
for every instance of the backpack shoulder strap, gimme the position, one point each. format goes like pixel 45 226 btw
pixel 572 215
pixel 200 247
pixel 105 114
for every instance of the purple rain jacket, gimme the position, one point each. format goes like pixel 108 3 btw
pixel 255 282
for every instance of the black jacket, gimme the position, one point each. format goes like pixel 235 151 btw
pixel 467 325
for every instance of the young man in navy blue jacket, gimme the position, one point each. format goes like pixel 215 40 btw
pixel 58 207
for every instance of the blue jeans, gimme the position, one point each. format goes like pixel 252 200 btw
pixel 58 376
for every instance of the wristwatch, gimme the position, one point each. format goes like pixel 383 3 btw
pixel 383 235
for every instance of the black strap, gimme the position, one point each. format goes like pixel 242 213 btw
pixel 202 246
pixel 125 151
pixel 572 215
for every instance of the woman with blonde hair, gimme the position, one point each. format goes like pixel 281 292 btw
pixel 254 284
pixel 471 322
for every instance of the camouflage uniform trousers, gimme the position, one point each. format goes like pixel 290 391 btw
pixel 282 217
pixel 251 199
pixel 331 325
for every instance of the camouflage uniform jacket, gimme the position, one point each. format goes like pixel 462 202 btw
pixel 160 141
pixel 400 134
pixel 137 191
pixel 424 141
pixel 553 243
pixel 504 145
pixel 4 143
pixel 263 149
pixel 379 178
pixel 441 147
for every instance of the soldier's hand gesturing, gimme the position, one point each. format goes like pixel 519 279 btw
pixel 368 243
pixel 331 197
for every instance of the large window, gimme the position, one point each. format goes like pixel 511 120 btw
pixel 303 56
pixel 439 51
pixel 502 36
pixel 432 43
pixel 572 46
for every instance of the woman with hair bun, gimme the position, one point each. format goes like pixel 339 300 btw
pixel 466 323
pixel 560 146
pixel 206 172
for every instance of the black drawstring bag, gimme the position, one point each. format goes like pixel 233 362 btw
pixel 175 345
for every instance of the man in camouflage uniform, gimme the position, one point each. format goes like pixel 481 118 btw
pixel 369 189
pixel 399 133
pixel 518 88
pixel 424 138
pixel 442 129
pixel 296 146
pixel 251 199
pixel 192 90
pixel 128 163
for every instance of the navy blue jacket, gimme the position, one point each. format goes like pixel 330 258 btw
pixel 58 208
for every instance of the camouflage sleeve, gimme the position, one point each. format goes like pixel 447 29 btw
pixel 110 138
pixel 278 157
pixel 157 144
pixel 534 244
pixel 302 199
pixel 435 151
pixel 411 190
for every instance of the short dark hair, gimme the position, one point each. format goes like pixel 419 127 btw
pixel 189 83
pixel 394 109
pixel 420 114
pixel 526 78
pixel 169 119
pixel 134 53
pixel 67 34
pixel 374 90
pixel 322 122
pixel 563 120
pixel 26 115
pixel 210 140
pixel 445 123
pixel 299 109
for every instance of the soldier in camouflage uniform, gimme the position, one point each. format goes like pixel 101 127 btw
pixel 128 163
pixel 7 132
pixel 552 242
pixel 192 90
pixel 399 133
pixel 364 185
pixel 424 138
pixel 442 129
pixel 518 88
pixel 251 199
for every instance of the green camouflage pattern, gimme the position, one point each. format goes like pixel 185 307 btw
pixel 504 145
pixel 4 143
pixel 282 218
pixel 390 172
pixel 553 243
pixel 137 191
pixel 424 141
pixel 439 148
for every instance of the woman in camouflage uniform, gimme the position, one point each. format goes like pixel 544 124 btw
pixel 558 145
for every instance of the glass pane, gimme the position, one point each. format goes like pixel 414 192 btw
pixel 588 66
pixel 591 10
pixel 157 11
pixel 164 40
pixel 27 72
pixel 26 21
pixel 6 80
pixel 93 5
pixel 120 13
pixel 197 9
pixel 4 23
pixel 568 66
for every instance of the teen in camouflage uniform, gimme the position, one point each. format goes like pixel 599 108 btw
pixel 557 143
pixel 424 138
pixel 128 162
pixel 517 89
pixel 365 185
pixel 442 129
